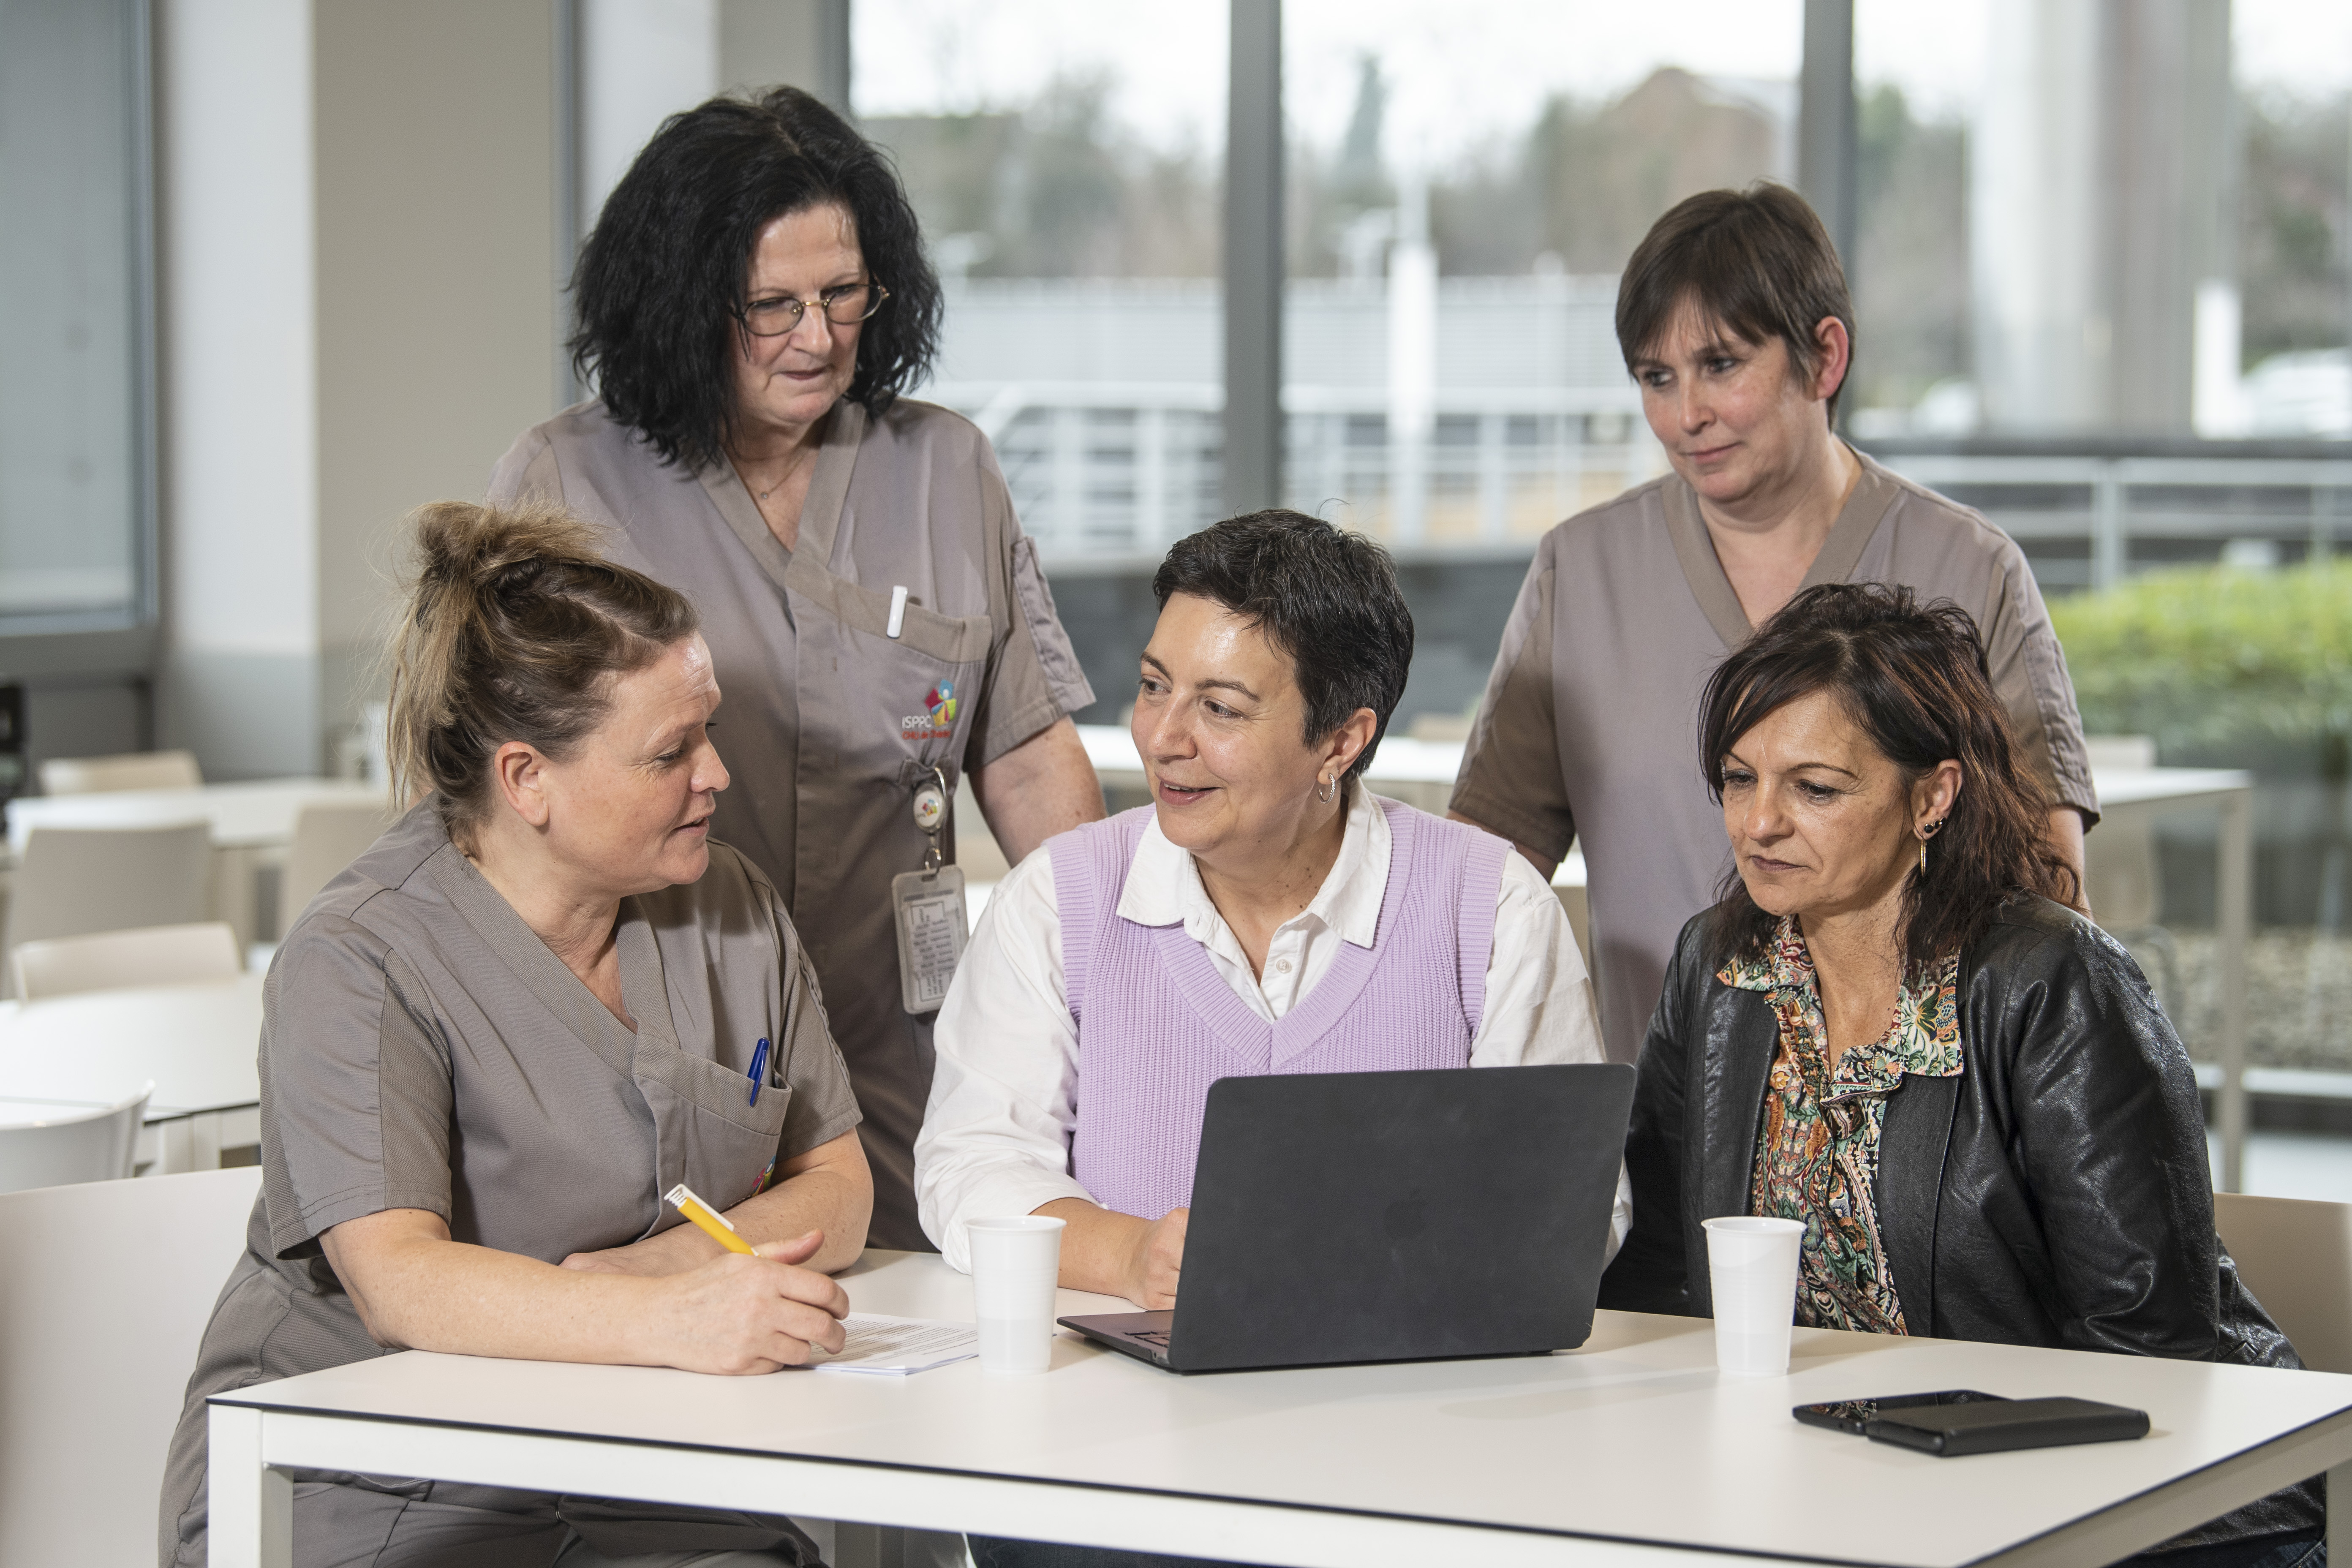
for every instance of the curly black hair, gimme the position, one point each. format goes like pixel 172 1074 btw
pixel 661 280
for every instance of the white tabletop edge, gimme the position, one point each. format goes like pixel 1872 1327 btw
pixel 1099 1423
pixel 255 1398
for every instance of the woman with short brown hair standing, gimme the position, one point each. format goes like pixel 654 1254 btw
pixel 1734 322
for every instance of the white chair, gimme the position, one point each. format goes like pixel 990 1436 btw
pixel 40 1147
pixel 108 961
pixel 327 838
pixel 132 770
pixel 75 881
pixel 106 1294
pixel 2296 1257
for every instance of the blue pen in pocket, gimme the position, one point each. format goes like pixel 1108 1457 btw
pixel 759 1070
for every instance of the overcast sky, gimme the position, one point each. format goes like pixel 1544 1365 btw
pixel 1465 76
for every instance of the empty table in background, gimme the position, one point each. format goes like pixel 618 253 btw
pixel 251 824
pixel 199 1044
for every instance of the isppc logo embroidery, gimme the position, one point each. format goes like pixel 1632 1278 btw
pixel 937 721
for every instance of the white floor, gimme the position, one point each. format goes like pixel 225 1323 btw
pixel 2296 1164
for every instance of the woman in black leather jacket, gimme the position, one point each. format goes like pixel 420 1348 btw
pixel 1894 1028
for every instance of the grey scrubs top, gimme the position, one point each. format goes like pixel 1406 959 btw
pixel 1588 733
pixel 826 721
pixel 421 1048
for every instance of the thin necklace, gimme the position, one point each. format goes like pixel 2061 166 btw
pixel 790 466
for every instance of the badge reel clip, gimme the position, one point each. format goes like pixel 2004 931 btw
pixel 930 908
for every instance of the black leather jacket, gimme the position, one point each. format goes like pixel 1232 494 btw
pixel 2054 1193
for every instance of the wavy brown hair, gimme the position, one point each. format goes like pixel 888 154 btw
pixel 515 626
pixel 1913 679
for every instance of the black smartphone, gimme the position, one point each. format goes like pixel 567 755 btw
pixel 1854 1415
pixel 1996 1425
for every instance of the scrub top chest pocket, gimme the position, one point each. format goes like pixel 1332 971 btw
pixel 706 1133
pixel 906 700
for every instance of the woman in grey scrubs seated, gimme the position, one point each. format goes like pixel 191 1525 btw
pixel 538 1003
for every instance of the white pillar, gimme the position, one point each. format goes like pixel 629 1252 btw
pixel 1412 363
pixel 238 339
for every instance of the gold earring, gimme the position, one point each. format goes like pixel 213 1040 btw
pixel 1926 833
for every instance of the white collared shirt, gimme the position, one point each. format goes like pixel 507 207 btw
pixel 996 1135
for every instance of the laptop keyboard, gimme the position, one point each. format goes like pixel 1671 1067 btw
pixel 1151 1337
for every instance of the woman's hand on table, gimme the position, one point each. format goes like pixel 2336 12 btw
pixel 417 1289
pixel 740 1315
pixel 1157 1259
pixel 1115 1254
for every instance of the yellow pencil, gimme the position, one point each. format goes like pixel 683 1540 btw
pixel 714 1224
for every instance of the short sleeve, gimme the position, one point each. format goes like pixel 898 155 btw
pixel 527 473
pixel 2029 675
pixel 1511 781
pixel 823 1105
pixel 1034 675
pixel 356 1093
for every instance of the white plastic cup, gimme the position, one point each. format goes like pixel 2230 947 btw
pixel 1016 1265
pixel 1751 1266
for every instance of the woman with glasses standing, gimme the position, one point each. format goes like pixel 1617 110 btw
pixel 752 302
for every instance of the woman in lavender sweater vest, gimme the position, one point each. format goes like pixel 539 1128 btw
pixel 1266 914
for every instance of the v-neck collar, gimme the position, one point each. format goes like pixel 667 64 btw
pixel 644 991
pixel 1264 1045
pixel 1874 492
pixel 836 455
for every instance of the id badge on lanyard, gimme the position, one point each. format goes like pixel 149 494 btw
pixel 930 909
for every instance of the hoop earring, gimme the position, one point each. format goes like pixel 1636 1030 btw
pixel 1326 787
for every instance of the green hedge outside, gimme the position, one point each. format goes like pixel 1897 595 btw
pixel 2222 665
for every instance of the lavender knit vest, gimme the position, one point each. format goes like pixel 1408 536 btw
pixel 1156 1024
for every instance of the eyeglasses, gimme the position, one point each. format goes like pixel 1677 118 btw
pixel 843 307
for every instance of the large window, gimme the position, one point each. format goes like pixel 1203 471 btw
pixel 74 425
pixel 2105 281
pixel 1464 185
pixel 1068 162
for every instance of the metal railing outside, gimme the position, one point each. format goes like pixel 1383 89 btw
pixel 1105 472
pixel 2091 511
pixel 1108 472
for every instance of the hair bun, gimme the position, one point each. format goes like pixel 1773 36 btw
pixel 514 620
pixel 481 546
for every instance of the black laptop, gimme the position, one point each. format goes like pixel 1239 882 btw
pixel 1371 1217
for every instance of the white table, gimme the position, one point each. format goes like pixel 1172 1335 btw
pixel 198 1043
pixel 2126 795
pixel 251 824
pixel 1629 1452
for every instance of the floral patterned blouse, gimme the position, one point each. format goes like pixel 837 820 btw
pixel 1817 1155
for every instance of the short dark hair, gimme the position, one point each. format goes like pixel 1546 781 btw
pixel 1756 262
pixel 1327 598
pixel 1914 679
pixel 661 280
